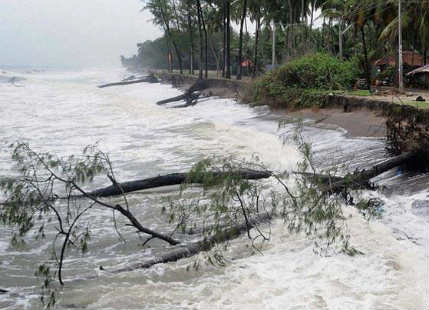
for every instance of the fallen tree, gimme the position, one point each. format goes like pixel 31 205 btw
pixel 189 98
pixel 228 204
pixel 175 179
pixel 146 79
pixel 361 179
pixel 36 192
pixel 188 250
pixel 191 94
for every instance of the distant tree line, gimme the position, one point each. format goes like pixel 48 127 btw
pixel 199 34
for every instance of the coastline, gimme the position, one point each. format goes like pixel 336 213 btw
pixel 358 121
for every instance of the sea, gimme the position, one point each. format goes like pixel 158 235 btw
pixel 62 111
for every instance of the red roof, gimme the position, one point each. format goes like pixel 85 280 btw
pixel 410 58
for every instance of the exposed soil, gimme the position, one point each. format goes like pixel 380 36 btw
pixel 358 123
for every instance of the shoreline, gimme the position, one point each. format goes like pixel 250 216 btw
pixel 357 121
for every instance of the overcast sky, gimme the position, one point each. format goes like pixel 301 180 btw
pixel 71 33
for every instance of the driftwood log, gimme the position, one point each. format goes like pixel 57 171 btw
pixel 358 179
pixel 188 250
pixel 189 98
pixel 146 79
pixel 172 179
pixel 190 95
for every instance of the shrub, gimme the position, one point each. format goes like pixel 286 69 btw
pixel 310 76
pixel 319 70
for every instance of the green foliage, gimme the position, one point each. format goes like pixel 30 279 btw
pixel 370 208
pixel 43 178
pixel 48 297
pixel 225 202
pixel 320 71
pixel 43 191
pixel 360 92
pixel 315 211
pixel 305 81
pixel 387 74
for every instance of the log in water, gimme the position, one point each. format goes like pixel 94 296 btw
pixel 172 179
pixel 147 79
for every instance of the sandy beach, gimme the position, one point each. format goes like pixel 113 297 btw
pixel 358 123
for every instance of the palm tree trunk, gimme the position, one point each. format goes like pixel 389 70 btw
pixel 200 67
pixel 240 46
pixel 205 41
pixel 258 27
pixel 365 51
pixel 191 37
pixel 228 40
pixel 312 16
pixel 167 28
pixel 340 39
pixel 215 56
pixel 224 39
pixel 425 56
pixel 169 57
pixel 290 29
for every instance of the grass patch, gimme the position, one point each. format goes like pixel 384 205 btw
pixel 417 104
pixel 359 92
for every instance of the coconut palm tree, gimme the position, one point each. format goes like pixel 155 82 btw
pixel 163 15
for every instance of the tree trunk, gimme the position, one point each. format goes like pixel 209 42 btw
pixel 188 97
pixel 340 39
pixel 167 28
pixel 258 26
pixel 172 179
pixel 290 26
pixel 199 246
pixel 228 40
pixel 170 57
pixel 200 73
pixel 425 56
pixel 240 46
pixel 224 39
pixel 367 66
pixel 191 37
pixel 200 11
pixel 360 179
pixel 148 79
pixel 303 13
pixel 216 57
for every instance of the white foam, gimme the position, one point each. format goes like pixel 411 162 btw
pixel 63 112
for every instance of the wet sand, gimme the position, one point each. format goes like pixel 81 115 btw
pixel 358 123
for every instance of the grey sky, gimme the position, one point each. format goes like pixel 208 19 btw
pixel 74 33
